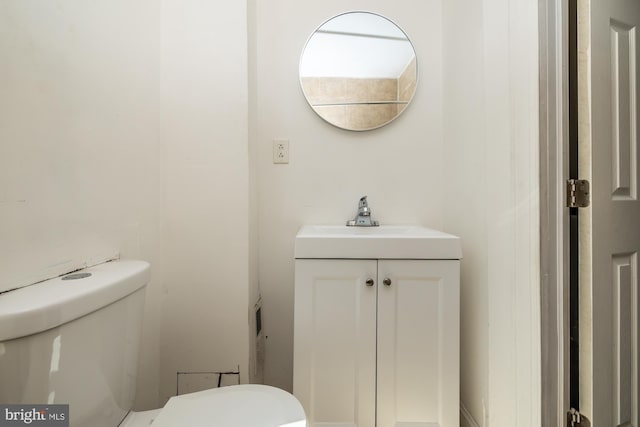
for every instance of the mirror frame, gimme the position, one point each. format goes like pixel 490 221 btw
pixel 304 93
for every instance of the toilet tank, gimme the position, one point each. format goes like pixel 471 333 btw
pixel 74 340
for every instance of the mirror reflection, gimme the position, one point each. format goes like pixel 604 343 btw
pixel 358 71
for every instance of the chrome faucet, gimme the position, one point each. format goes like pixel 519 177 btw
pixel 363 217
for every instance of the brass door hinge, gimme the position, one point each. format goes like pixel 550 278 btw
pixel 576 419
pixel 578 193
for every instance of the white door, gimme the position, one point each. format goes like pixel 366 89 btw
pixel 610 229
pixel 418 343
pixel 335 341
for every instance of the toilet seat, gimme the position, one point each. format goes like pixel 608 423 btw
pixel 249 405
pixel 140 419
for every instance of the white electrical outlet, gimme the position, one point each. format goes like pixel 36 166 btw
pixel 280 151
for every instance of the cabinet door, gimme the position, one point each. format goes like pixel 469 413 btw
pixel 335 341
pixel 418 344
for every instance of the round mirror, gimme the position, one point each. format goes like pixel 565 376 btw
pixel 358 71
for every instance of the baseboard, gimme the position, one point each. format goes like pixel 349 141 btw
pixel 466 419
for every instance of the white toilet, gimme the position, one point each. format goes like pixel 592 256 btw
pixel 74 340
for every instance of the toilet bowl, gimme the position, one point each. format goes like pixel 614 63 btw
pixel 74 340
pixel 239 405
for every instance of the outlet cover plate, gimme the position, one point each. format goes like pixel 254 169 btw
pixel 280 151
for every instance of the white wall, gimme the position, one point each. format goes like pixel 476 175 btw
pixel 491 149
pixel 463 158
pixel 79 153
pixel 204 133
pixel 124 129
pixel 399 166
pixel 79 158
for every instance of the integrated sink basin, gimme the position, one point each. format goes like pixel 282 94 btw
pixel 383 242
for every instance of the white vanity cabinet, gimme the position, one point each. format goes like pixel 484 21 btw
pixel 376 341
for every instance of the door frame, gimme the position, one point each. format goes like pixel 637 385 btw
pixel 554 217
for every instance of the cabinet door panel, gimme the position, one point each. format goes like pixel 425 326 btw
pixel 335 342
pixel 418 344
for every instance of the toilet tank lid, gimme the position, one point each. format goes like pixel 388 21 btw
pixel 45 305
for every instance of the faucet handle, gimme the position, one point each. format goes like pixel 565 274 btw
pixel 363 207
